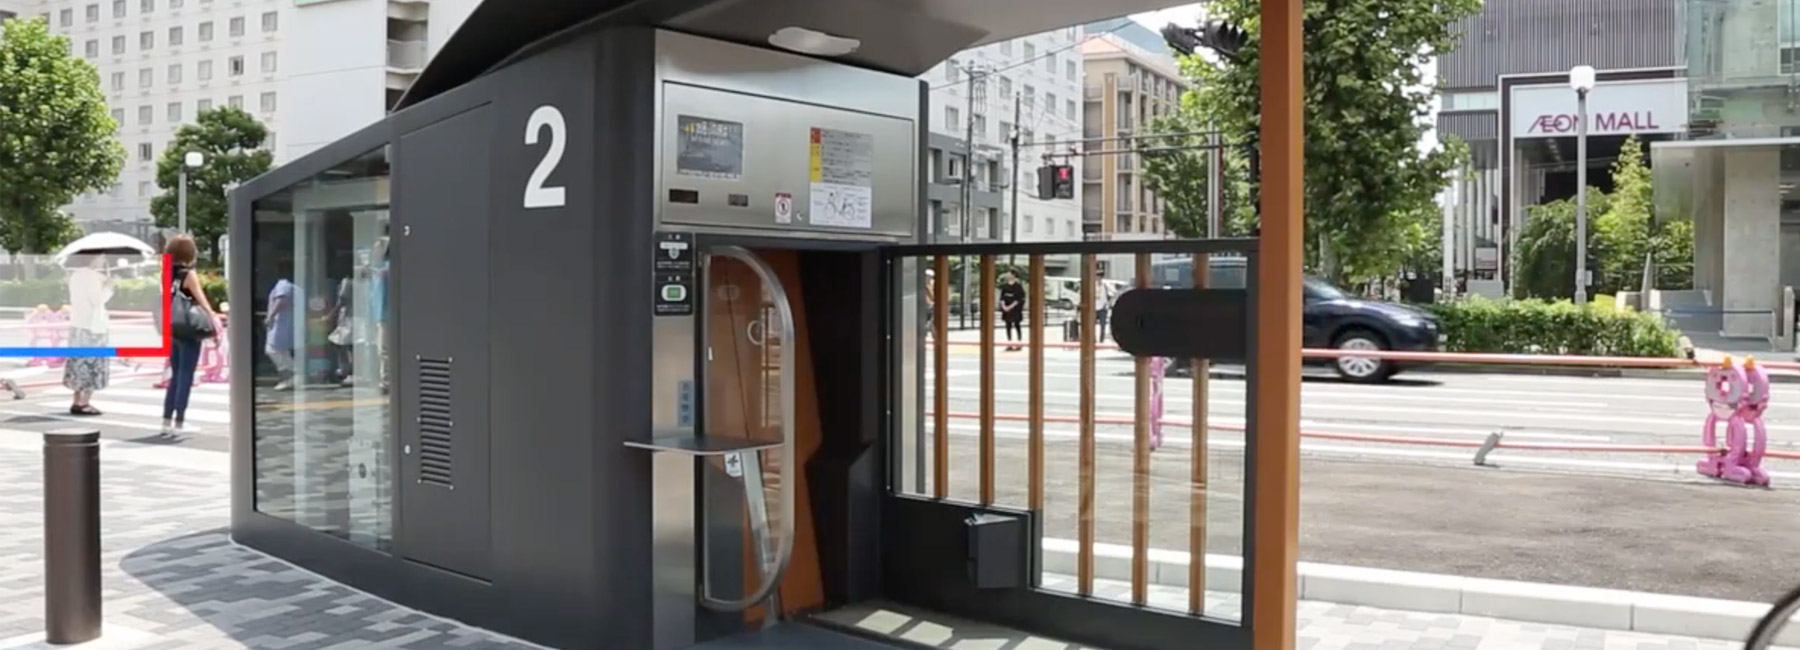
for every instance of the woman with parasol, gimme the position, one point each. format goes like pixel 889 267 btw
pixel 90 289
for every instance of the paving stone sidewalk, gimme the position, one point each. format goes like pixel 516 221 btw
pixel 172 574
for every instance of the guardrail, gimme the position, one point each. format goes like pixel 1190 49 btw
pixel 1474 358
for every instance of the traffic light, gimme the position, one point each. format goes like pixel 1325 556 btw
pixel 1056 182
pixel 1219 36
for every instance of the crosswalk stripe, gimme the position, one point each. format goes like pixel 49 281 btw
pixel 156 394
pixel 115 407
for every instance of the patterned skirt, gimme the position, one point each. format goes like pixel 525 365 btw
pixel 91 373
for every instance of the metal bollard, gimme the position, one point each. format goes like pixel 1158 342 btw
pixel 71 535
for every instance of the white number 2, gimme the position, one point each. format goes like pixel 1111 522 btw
pixel 537 195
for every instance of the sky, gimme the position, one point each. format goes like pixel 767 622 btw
pixel 1190 14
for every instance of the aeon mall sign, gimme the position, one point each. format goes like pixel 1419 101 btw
pixel 1615 108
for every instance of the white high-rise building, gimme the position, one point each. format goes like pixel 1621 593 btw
pixel 311 70
pixel 1042 74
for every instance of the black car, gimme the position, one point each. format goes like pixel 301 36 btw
pixel 1332 318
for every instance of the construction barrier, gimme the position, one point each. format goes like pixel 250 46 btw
pixel 1736 396
pixel 49 329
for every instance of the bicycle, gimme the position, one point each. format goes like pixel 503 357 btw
pixel 1763 635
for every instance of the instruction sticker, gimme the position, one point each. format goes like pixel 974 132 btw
pixel 842 165
pixel 674 273
pixel 784 208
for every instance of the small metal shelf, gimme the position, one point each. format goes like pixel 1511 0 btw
pixel 681 443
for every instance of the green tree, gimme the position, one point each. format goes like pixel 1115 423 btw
pixel 1364 98
pixel 1623 235
pixel 231 141
pixel 1544 257
pixel 56 136
pixel 1627 227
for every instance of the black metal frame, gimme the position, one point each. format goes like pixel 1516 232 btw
pixel 944 586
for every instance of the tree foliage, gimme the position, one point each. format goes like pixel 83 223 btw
pixel 56 136
pixel 1367 182
pixel 1623 236
pixel 231 140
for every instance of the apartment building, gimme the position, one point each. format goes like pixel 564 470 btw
pixel 1128 86
pixel 12 8
pixel 1039 79
pixel 350 60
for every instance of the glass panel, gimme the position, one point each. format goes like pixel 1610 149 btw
pixel 744 338
pixel 321 425
pixel 1740 56
pixel 1183 514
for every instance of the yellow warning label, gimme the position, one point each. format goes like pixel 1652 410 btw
pixel 815 157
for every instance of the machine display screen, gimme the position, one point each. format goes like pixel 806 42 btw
pixel 709 148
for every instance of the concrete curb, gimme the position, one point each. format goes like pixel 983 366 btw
pixel 1427 592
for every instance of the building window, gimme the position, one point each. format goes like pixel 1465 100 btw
pixel 92 13
pixel 175 36
pixel 175 4
pixel 268 102
pixel 1069 70
pixel 92 48
pixel 951 71
pixel 143 189
pixel 1030 51
pixel 1050 63
pixel 1006 47
pixel 234 66
pixel 1479 100
pixel 952 117
pixel 271 21
pixel 323 469
pixel 174 113
pixel 1030 98
pixel 146 40
pixel 118 115
pixel 206 32
pixel 146 77
pixel 145 152
pixel 174 75
pixel 66 17
pixel 118 45
pixel 118 8
pixel 1006 91
pixel 268 62
pixel 146 116
pixel 202 106
pixel 235 101
pixel 980 126
pixel 1050 103
pixel 118 81
pixel 236 26
pixel 1069 109
pixel 203 70
pixel 146 6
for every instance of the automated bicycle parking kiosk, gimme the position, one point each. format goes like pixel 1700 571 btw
pixel 645 383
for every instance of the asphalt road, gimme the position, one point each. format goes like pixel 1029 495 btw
pixel 1624 521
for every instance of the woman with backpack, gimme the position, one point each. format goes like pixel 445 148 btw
pixel 192 320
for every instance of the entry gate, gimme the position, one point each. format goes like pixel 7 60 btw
pixel 1051 494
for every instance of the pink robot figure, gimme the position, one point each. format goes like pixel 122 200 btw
pixel 1755 402
pixel 213 359
pixel 1725 387
pixel 38 323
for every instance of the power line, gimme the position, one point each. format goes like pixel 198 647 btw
pixel 1040 57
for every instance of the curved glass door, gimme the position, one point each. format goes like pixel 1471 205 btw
pixel 750 397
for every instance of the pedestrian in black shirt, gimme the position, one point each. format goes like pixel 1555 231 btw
pixel 1012 309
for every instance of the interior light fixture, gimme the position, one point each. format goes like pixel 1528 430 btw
pixel 814 42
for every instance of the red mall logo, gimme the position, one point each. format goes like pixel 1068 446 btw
pixel 1602 122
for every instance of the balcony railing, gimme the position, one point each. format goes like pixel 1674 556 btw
pixel 406 55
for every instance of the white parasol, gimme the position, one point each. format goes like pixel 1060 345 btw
pixel 105 243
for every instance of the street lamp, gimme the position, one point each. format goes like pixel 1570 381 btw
pixel 193 160
pixel 1581 79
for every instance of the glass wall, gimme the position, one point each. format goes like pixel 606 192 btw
pixel 321 421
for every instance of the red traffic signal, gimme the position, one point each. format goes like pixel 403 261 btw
pixel 1056 182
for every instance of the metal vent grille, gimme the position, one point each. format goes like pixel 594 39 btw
pixel 437 451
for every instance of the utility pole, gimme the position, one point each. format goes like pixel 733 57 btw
pixel 1013 216
pixel 1215 186
pixel 968 178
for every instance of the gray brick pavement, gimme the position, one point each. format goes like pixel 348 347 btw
pixel 172 573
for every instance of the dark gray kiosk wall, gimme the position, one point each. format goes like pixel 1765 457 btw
pixel 561 326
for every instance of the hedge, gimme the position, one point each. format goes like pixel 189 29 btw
pixel 129 294
pixel 1561 327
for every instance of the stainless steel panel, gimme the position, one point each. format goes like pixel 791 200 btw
pixel 776 158
pixel 674 529
pixel 778 97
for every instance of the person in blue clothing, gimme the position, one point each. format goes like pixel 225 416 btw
pixel 284 298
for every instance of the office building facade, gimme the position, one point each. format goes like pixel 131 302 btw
pixel 162 62
pixel 1041 77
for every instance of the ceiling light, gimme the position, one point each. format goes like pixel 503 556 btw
pixel 816 43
